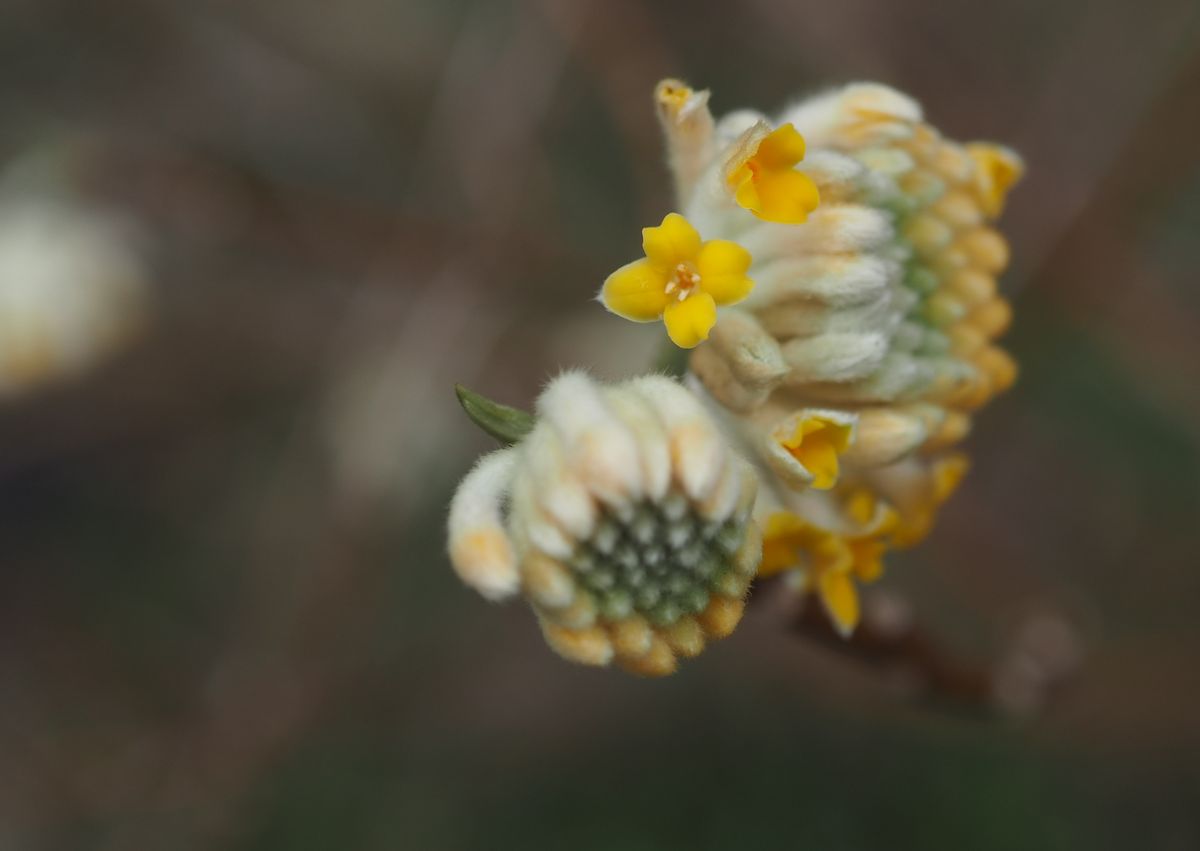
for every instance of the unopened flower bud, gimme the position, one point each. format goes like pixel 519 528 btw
pixel 623 517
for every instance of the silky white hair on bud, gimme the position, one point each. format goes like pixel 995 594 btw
pixel 741 364
pixel 836 119
pixel 480 549
pixel 734 124
pixel 898 376
pixel 838 357
pixel 599 446
pixel 559 491
pixel 810 318
pixel 697 449
pixel 537 529
pixel 720 504
pixel 835 279
pixel 654 450
pixel 830 229
pixel 886 435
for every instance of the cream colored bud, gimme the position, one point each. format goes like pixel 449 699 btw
pixel 687 125
pixel 835 357
pixel 858 115
pixel 741 363
pixel 480 549
pixel 830 229
pixel 800 318
pixel 697 449
pixel 600 449
pixel 631 579
pixel 834 279
pixel 885 435
pixel 558 489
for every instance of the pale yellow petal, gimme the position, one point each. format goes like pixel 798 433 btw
pixel 722 267
pixel 636 291
pixel 673 242
pixel 690 320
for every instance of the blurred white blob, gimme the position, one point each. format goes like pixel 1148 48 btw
pixel 73 286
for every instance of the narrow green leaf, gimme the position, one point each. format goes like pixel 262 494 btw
pixel 507 425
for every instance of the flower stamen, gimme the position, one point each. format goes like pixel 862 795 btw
pixel 683 281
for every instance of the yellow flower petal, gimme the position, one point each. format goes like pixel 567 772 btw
pixel 636 291
pixel 840 598
pixel 690 320
pixel 786 197
pixel 816 444
pixel 722 267
pixel 767 184
pixel 868 557
pixel 746 193
pixel 673 242
pixel 996 170
pixel 781 149
pixel 782 540
pixel 948 474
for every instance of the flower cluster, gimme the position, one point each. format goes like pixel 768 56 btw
pixel 855 339
pixel 622 516
pixel 855 364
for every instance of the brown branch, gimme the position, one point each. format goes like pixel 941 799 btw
pixel 898 645
pixel 1042 654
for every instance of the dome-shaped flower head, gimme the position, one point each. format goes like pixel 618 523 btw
pixel 622 517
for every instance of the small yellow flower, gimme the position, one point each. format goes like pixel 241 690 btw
pixel 816 444
pixel 938 483
pixel 831 563
pixel 681 280
pixel 996 170
pixel 767 183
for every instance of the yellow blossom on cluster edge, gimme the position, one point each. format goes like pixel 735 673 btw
pixel 831 562
pixel 767 183
pixel 816 444
pixel 681 280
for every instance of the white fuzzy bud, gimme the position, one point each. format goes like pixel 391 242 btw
pixel 627 527
pixel 480 549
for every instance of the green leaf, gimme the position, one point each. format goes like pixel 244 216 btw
pixel 507 425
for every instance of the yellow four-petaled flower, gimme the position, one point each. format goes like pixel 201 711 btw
pixel 767 183
pixel 681 280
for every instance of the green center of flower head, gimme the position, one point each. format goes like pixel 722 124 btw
pixel 660 560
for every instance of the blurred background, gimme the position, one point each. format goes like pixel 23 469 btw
pixel 247 248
